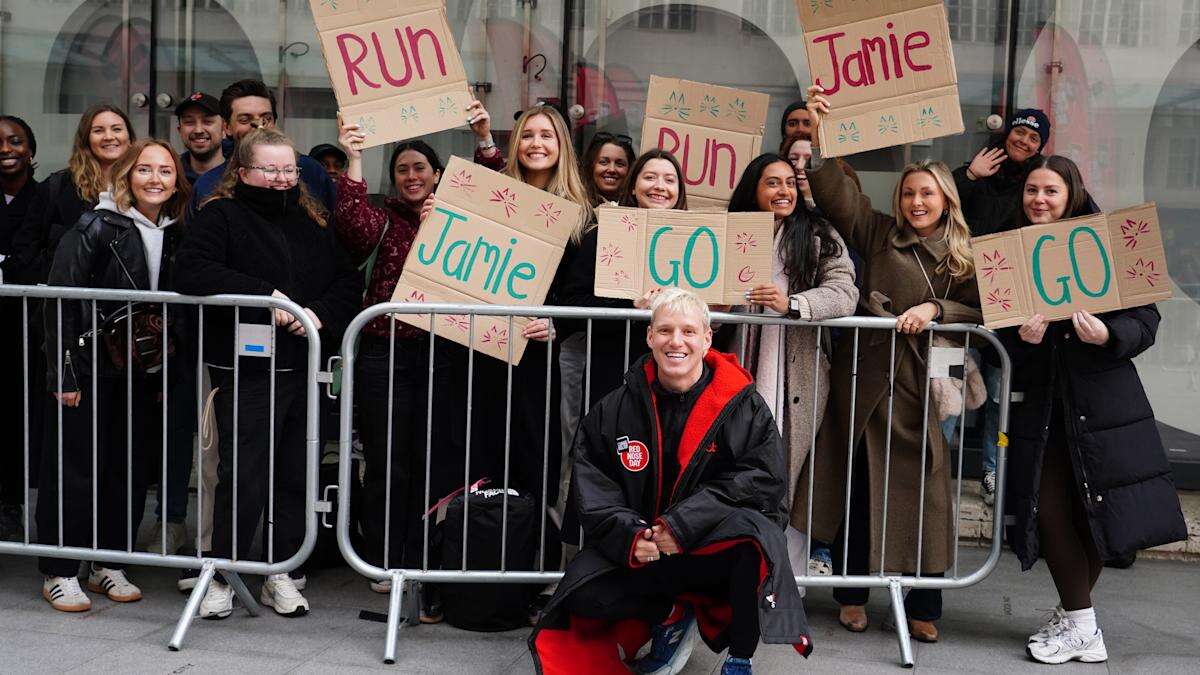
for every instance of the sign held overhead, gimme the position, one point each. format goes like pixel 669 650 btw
pixel 490 240
pixel 713 131
pixel 1095 263
pixel 395 69
pixel 887 68
pixel 719 256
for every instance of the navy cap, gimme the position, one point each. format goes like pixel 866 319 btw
pixel 206 102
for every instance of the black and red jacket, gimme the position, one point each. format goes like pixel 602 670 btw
pixel 730 489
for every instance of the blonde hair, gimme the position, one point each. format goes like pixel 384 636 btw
pixel 679 301
pixel 89 177
pixel 567 181
pixel 957 235
pixel 122 192
pixel 243 157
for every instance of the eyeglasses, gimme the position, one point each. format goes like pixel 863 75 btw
pixel 273 172
pixel 606 137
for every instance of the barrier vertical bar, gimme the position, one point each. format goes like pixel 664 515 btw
pixel 545 465
pixel 129 533
pixel 25 397
pixel 812 448
pixel 428 438
pixel 162 506
pixel 887 455
pixel 59 412
pixel 467 463
pixel 850 458
pixel 962 432
pixel 507 449
pixel 199 429
pixel 270 524
pixel 924 453
pixel 387 481
pixel 95 434
pixel 237 414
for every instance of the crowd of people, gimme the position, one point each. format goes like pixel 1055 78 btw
pixel 243 211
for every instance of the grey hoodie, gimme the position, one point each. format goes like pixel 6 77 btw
pixel 151 233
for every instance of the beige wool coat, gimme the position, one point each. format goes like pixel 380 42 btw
pixel 892 283
pixel 802 385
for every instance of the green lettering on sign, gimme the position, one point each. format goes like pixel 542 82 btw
pixel 1064 281
pixel 1075 262
pixel 687 258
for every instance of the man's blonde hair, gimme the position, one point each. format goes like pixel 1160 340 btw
pixel 679 301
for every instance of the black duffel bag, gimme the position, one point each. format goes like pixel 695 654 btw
pixel 490 607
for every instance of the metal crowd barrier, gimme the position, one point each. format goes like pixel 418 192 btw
pixel 56 299
pixel 402 580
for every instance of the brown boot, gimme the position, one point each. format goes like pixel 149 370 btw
pixel 923 631
pixel 853 618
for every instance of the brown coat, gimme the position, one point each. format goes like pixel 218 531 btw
pixel 892 283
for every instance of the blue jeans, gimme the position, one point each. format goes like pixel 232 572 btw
pixel 991 415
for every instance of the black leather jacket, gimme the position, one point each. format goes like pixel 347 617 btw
pixel 102 250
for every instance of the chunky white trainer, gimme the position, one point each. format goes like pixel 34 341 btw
pixel 1070 644
pixel 1050 628
pixel 279 592
pixel 114 584
pixel 384 586
pixel 217 602
pixel 65 595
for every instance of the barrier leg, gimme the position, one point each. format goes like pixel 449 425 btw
pixel 193 605
pixel 393 623
pixel 901 619
pixel 239 588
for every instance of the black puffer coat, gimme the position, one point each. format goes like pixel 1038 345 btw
pixel 991 203
pixel 1121 469
pixel 103 250
pixel 730 488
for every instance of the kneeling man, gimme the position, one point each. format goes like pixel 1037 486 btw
pixel 679 482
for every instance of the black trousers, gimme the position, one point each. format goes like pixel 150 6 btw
pixel 1064 533
pixel 922 604
pixel 253 464
pixel 118 513
pixel 13 394
pixel 648 593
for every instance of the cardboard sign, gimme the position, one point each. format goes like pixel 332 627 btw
pixel 887 68
pixel 490 240
pixel 719 256
pixel 394 66
pixel 713 131
pixel 1095 263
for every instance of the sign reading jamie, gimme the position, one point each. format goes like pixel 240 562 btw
pixel 394 66
pixel 719 256
pixel 1094 263
pixel 713 131
pixel 887 68
pixel 489 240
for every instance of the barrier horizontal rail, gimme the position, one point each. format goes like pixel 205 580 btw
pixel 56 298
pixel 402 578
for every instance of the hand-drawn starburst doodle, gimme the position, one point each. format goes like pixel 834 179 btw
pixel 1131 232
pixel 409 114
pixel 1001 297
pixel 620 276
pixel 1144 269
pixel 549 214
pixel 495 336
pixel 630 222
pixel 709 106
pixel 459 321
pixel 447 106
pixel 463 181
pixel 677 105
pixel 609 254
pixel 929 118
pixel 744 242
pixel 848 132
pixel 994 264
pixel 506 197
pixel 366 123
pixel 737 108
pixel 888 125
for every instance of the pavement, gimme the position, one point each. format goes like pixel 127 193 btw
pixel 1148 614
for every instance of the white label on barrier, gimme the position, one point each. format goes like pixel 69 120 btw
pixel 255 339
pixel 941 359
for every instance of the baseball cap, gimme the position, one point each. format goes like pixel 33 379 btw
pixel 324 149
pixel 206 102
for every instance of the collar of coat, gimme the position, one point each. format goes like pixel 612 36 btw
pixel 904 236
pixel 729 379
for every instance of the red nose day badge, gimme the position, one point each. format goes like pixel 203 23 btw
pixel 634 455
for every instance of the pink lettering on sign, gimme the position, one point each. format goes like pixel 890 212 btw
pixel 710 170
pixel 873 60
pixel 409 62
pixel 745 275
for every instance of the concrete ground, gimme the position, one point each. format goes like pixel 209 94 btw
pixel 1148 613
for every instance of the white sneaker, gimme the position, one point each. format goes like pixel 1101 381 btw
pixel 176 536
pixel 1050 628
pixel 384 586
pixel 819 568
pixel 65 595
pixel 114 584
pixel 1070 644
pixel 217 602
pixel 279 592
pixel 987 487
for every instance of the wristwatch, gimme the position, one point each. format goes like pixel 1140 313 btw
pixel 794 305
pixel 486 143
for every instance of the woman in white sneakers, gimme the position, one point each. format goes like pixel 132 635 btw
pixel 1088 477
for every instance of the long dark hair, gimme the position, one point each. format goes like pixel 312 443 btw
pixel 588 161
pixel 800 258
pixel 422 147
pixel 627 196
pixel 1079 202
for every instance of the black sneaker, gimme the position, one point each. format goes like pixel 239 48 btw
pixel 431 604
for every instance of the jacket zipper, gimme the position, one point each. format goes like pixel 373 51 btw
pixel 1069 412
pixel 71 366
pixel 695 462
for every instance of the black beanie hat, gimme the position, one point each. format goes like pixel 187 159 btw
pixel 1034 119
pixel 792 107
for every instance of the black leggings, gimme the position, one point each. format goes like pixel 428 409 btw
pixel 1063 531
pixel 648 593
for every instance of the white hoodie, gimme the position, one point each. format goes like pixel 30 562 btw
pixel 151 233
